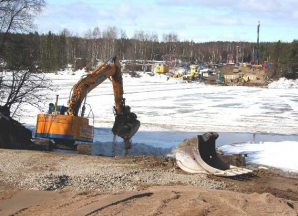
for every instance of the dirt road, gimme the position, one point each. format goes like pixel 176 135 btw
pixel 41 183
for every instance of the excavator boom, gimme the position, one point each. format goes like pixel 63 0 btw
pixel 110 68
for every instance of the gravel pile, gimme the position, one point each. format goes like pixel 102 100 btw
pixel 44 181
pixel 55 171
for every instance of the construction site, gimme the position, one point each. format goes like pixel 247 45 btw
pixel 73 163
pixel 108 124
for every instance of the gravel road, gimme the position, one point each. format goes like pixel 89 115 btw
pixel 54 171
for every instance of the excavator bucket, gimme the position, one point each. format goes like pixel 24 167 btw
pixel 126 130
pixel 198 155
pixel 126 124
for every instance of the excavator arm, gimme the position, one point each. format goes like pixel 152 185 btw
pixel 126 123
pixel 110 68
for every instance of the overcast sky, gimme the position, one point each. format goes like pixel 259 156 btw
pixel 198 20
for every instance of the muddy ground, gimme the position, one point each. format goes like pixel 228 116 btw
pixel 52 183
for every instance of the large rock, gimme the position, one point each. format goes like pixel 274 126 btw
pixel 13 134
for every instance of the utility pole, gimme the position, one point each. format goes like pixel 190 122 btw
pixel 237 57
pixel 258 44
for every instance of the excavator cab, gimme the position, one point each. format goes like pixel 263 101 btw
pixel 60 109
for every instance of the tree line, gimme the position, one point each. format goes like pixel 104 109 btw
pixel 55 51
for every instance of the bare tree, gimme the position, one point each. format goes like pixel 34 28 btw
pixel 22 87
pixel 122 40
pixel 110 36
pixel 96 35
pixel 17 16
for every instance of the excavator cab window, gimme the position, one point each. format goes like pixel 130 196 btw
pixel 60 109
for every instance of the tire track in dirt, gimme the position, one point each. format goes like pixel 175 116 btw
pixel 164 202
pixel 128 199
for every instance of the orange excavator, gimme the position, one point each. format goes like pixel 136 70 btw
pixel 64 124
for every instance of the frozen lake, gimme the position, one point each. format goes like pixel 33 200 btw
pixel 171 111
pixel 173 106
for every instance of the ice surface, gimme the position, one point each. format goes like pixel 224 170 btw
pixel 282 155
pixel 163 104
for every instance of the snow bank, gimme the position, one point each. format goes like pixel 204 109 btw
pixel 282 155
pixel 284 83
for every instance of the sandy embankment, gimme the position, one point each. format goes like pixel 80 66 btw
pixel 41 183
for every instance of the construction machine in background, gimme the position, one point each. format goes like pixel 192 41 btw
pixel 66 125
pixel 220 79
pixel 185 76
pixel 161 68
pixel 194 70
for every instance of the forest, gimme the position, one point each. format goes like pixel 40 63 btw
pixel 51 52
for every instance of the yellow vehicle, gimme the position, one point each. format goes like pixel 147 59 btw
pixel 161 68
pixel 194 70
pixel 64 125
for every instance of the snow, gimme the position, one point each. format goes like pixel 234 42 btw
pixel 282 155
pixel 284 83
pixel 171 111
pixel 181 70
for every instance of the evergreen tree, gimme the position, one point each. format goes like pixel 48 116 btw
pixel 293 60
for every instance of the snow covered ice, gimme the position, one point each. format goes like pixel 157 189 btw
pixel 282 155
pixel 174 106
pixel 171 111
